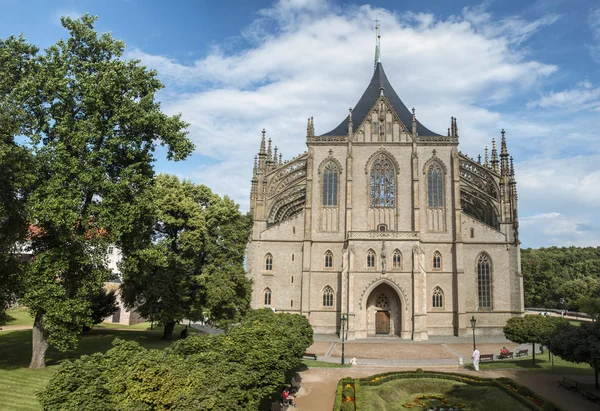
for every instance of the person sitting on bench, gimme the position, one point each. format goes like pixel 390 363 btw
pixel 288 398
pixel 503 351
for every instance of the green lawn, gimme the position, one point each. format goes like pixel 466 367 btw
pixel 323 364
pixel 392 395
pixel 19 316
pixel 18 384
pixel 541 364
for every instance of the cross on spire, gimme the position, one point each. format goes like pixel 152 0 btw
pixel 377 46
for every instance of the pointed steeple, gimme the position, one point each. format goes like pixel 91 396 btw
pixel 504 168
pixel 377 46
pixel 255 168
pixel 487 158
pixel 269 152
pixel 494 156
pixel 262 142
pixel 478 158
pixel 275 155
pixel 280 159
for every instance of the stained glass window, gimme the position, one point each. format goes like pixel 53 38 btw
pixel 397 259
pixel 438 298
pixel 383 183
pixel 435 189
pixel 267 295
pixel 328 259
pixel 437 261
pixel 371 259
pixel 330 185
pixel 268 262
pixel 484 282
pixel 328 297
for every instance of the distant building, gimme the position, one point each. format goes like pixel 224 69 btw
pixel 122 315
pixel 386 222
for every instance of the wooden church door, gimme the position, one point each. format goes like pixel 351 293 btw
pixel 382 322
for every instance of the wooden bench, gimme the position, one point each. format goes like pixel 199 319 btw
pixel 279 406
pixel 522 353
pixel 568 384
pixel 486 357
pixel 591 394
pixel 310 355
pixel 507 355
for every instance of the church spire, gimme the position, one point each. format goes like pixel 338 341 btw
pixel 377 45
pixel 494 156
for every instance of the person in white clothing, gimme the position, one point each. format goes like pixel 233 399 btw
pixel 475 358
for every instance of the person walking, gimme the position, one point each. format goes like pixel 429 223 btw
pixel 475 358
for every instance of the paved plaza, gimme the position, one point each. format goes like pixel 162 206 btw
pixel 376 356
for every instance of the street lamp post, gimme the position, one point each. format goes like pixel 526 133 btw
pixel 473 324
pixel 343 321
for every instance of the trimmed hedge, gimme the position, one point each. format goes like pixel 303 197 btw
pixel 337 404
pixel 348 392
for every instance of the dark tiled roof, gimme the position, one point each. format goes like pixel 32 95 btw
pixel 367 101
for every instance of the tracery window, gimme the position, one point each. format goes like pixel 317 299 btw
pixel 328 259
pixel 397 259
pixel 328 297
pixel 268 262
pixel 484 282
pixel 330 184
pixel 375 128
pixel 435 186
pixel 438 298
pixel 371 259
pixel 383 183
pixel 267 297
pixel 382 301
pixel 437 261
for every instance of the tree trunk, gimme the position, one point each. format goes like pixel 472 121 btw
pixel 168 331
pixel 39 343
pixel 533 344
pixel 596 375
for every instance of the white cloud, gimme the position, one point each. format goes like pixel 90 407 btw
pixel 582 97
pixel 312 58
pixel 594 24
pixel 555 229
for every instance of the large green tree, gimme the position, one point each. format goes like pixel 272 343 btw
pixel 194 263
pixel 580 344
pixel 95 127
pixel 530 329
pixel 16 165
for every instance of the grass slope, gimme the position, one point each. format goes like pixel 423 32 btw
pixel 19 317
pixel 391 395
pixel 542 364
pixel 18 384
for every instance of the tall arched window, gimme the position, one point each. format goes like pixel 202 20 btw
pixel 268 262
pixel 397 259
pixel 267 297
pixel 328 259
pixel 328 297
pixel 435 186
pixel 484 282
pixel 371 259
pixel 330 184
pixel 383 183
pixel 437 260
pixel 438 298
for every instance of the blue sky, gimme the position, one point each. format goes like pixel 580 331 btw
pixel 232 68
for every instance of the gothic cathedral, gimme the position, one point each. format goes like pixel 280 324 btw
pixel 386 223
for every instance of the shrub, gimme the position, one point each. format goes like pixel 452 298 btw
pixel 235 370
pixel 348 406
pixel 526 392
pixel 348 391
pixel 419 370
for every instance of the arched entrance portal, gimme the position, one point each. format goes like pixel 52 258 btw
pixel 384 312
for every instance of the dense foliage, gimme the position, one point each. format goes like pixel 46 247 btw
pixel 104 304
pixel 16 163
pixel 580 344
pixel 231 371
pixel 192 266
pixel 559 277
pixel 90 125
pixel 531 329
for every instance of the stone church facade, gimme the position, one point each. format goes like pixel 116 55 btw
pixel 388 223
